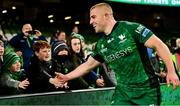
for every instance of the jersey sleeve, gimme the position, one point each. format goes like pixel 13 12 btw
pixel 96 55
pixel 141 33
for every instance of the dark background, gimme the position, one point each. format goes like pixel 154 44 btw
pixel 162 20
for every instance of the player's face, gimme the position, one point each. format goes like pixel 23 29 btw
pixel 97 19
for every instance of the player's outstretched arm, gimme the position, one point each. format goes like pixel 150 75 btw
pixel 79 71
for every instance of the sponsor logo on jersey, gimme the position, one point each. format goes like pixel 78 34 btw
pixel 110 40
pixel 145 32
pixel 103 50
pixel 122 38
pixel 139 29
pixel 118 54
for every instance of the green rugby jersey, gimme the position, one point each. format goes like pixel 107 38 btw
pixel 124 52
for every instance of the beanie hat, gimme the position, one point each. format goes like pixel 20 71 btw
pixel 9 59
pixel 58 46
pixel 78 36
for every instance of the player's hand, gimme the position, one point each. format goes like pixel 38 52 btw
pixel 66 85
pixel 55 81
pixel 61 77
pixel 172 78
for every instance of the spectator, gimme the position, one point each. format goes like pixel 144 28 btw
pixel 86 49
pixel 3 39
pixel 175 43
pixel 58 36
pixel 40 71
pixel 13 79
pixel 77 55
pixel 61 35
pixel 53 38
pixel 23 42
pixel 81 38
pixel 64 64
pixel 1 53
pixel 75 30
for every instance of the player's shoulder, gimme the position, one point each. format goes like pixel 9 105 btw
pixel 128 23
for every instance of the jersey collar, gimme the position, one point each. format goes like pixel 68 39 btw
pixel 114 27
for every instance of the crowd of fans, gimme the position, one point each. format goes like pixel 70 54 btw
pixel 29 63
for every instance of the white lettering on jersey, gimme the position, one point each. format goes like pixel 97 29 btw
pixel 118 54
pixel 103 50
pixel 110 40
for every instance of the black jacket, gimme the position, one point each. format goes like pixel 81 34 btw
pixel 64 65
pixel 39 73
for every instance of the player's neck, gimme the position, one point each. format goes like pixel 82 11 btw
pixel 110 27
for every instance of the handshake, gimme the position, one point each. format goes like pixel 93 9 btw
pixel 59 81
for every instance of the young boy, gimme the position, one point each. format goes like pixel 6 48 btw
pixel 12 78
pixel 40 72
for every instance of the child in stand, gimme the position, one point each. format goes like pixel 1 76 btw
pixel 12 78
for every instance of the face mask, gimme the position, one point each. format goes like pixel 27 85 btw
pixel 61 58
